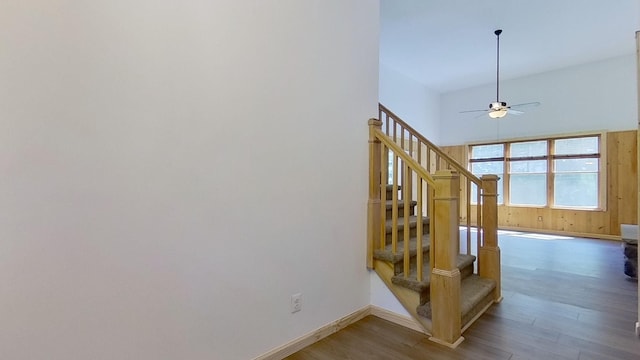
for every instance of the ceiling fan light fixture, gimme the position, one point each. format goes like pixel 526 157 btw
pixel 496 114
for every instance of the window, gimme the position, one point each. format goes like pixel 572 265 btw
pixel 488 159
pixel 576 164
pixel 559 172
pixel 528 173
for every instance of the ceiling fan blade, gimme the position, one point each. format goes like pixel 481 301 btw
pixel 514 112
pixel 468 111
pixel 526 105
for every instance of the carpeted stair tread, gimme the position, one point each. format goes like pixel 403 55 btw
pixel 400 203
pixel 474 295
pixel 413 221
pixel 412 282
pixel 387 255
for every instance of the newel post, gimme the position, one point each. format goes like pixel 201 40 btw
pixel 375 178
pixel 490 251
pixel 445 276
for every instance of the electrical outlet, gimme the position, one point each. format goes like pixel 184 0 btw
pixel 296 302
pixel 539 218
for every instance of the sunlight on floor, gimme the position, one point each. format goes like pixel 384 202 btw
pixel 525 235
pixel 538 236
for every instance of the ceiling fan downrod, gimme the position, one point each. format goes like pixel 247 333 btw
pixel 498 32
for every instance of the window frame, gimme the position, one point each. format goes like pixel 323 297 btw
pixel 509 160
pixel 501 177
pixel 550 174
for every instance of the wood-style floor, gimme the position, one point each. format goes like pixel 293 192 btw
pixel 564 298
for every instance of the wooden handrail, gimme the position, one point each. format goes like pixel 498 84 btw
pixel 404 156
pixel 460 169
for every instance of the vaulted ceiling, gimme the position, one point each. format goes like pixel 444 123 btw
pixel 450 44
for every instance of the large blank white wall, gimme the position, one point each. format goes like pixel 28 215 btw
pixel 172 171
pixel 590 97
pixel 412 101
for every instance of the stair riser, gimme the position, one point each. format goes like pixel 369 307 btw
pixel 389 212
pixel 466 271
pixel 389 194
pixel 398 268
pixel 413 232
pixel 477 309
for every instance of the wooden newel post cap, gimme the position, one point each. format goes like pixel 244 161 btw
pixel 375 122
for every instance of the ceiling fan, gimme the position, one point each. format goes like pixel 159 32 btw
pixel 499 109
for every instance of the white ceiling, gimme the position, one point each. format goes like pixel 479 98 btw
pixel 449 44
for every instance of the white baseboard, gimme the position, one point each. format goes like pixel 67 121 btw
pixel 396 318
pixel 302 342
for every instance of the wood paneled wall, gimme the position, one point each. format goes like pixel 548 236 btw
pixel 621 198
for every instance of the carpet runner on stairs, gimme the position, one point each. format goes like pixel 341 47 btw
pixel 476 292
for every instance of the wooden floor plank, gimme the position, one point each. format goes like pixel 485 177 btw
pixel 563 299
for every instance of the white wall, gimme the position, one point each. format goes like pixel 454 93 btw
pixel 412 101
pixel 382 297
pixel 590 97
pixel 167 182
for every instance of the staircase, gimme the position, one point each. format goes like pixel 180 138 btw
pixel 418 200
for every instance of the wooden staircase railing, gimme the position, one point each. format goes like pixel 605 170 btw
pixel 415 178
pixel 441 190
pixel 432 158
